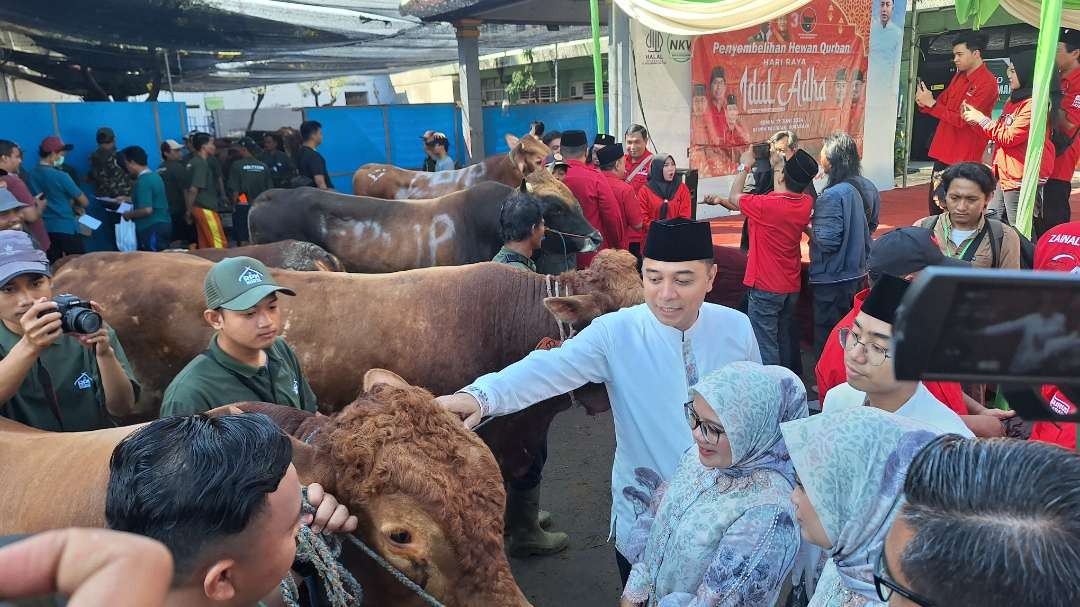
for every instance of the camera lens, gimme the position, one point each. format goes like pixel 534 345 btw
pixel 85 321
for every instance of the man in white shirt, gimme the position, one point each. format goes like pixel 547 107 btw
pixel 648 356
pixel 869 364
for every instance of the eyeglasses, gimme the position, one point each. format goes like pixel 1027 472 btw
pixel 875 355
pixel 711 432
pixel 885 585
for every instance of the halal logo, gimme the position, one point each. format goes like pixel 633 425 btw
pixel 654 42
pixel 250 276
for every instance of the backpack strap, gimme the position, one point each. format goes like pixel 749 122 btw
pixel 997 233
pixel 969 252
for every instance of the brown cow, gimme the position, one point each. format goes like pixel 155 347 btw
pixel 438 327
pixel 406 467
pixel 387 181
pixel 285 254
pixel 373 236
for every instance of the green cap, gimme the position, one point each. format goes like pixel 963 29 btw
pixel 239 283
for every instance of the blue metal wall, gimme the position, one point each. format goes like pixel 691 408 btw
pixel 142 124
pixel 515 119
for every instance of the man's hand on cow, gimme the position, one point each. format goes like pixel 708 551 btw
pixel 464 406
pixel 41 324
pixel 330 516
pixel 98 341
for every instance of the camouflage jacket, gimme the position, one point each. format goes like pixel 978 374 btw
pixel 108 177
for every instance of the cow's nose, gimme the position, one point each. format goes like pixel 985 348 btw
pixel 593 243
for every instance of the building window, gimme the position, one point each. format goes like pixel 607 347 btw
pixel 356 98
pixel 492 96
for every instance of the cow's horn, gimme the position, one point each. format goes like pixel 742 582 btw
pixel 375 377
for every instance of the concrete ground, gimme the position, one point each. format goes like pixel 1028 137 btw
pixel 576 490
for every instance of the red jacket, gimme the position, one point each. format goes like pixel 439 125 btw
pixel 830 367
pixel 637 181
pixel 1065 164
pixel 955 139
pixel 679 206
pixel 631 210
pixel 1058 433
pixel 598 203
pixel 1010 135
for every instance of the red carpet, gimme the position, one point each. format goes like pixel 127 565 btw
pixel 899 207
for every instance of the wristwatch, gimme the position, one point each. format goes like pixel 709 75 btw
pixel 741 168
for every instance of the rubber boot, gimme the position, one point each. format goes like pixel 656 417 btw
pixel 525 537
pixel 544 518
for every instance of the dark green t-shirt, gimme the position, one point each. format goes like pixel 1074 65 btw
pixel 73 372
pixel 250 177
pixel 214 379
pixel 203 178
pixel 175 176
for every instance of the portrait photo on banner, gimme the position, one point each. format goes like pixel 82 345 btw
pixel 804 72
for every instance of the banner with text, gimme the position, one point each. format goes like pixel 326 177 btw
pixel 804 72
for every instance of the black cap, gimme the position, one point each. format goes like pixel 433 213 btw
pixel 603 139
pixel 248 144
pixel 609 154
pixel 574 139
pixel 800 168
pixel 1070 37
pixel 908 250
pixel 679 239
pixel 885 297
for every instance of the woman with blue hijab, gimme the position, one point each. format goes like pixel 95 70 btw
pixel 722 531
pixel 851 466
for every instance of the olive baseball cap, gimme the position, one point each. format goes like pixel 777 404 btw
pixel 239 283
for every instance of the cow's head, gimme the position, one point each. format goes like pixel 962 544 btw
pixel 428 493
pixel 567 229
pixel 527 153
pixel 611 282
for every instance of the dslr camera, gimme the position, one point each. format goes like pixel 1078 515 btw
pixel 76 315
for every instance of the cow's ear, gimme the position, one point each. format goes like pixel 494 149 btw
pixel 511 141
pixel 574 308
pixel 375 377
pixel 313 465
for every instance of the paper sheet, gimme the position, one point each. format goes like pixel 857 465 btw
pixel 90 222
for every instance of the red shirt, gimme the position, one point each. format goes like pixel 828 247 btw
pixel 956 140
pixel 1059 248
pixel 1065 164
pixel 18 189
pixel 1058 433
pixel 776 222
pixel 830 367
pixel 631 210
pixel 598 203
pixel 637 181
pixel 650 204
pixel 1010 133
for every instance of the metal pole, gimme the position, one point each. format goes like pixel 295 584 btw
pixel 598 70
pixel 912 78
pixel 556 72
pixel 168 75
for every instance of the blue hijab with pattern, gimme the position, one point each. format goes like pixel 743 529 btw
pixel 852 465
pixel 751 401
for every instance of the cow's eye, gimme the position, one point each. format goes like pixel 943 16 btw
pixel 400 536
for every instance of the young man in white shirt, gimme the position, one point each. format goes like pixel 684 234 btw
pixel 648 356
pixel 871 379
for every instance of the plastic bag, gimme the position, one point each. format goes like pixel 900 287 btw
pixel 125 236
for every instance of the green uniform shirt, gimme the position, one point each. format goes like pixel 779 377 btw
pixel 514 260
pixel 202 178
pixel 250 177
pixel 175 176
pixel 72 371
pixel 149 191
pixel 214 379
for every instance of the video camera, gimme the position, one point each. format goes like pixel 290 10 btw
pixel 1017 329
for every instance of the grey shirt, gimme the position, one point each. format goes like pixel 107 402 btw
pixel 445 163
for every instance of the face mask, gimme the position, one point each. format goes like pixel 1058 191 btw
pixel 59 161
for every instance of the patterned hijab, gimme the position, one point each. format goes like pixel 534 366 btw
pixel 852 464
pixel 751 401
